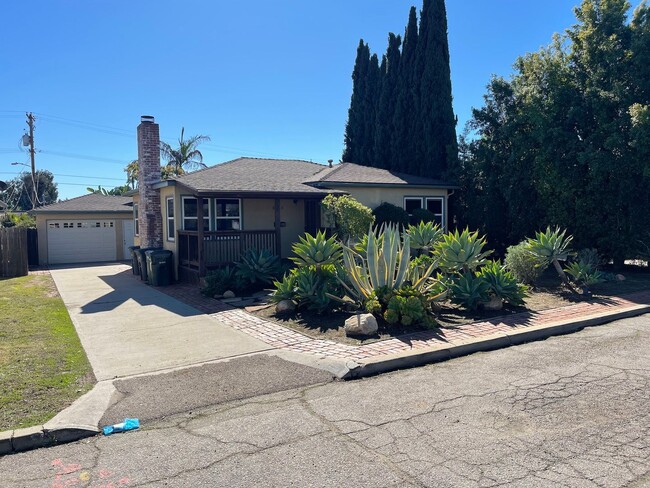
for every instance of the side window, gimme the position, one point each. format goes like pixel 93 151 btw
pixel 171 228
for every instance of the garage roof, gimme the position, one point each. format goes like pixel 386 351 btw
pixel 91 203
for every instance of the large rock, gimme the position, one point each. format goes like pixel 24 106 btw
pixel 229 294
pixel 363 324
pixel 285 306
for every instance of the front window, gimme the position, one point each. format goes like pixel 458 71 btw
pixel 136 219
pixel 435 205
pixel 228 213
pixel 411 204
pixel 170 219
pixel 191 214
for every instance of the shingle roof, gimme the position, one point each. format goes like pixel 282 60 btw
pixel 91 203
pixel 350 173
pixel 255 175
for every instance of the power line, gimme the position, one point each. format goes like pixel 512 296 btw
pixel 83 156
pixel 69 176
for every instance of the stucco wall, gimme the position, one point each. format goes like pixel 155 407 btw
pixel 41 226
pixel 373 197
pixel 258 214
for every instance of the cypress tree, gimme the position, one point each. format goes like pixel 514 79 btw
pixel 406 96
pixel 355 130
pixel 385 123
pixel 435 134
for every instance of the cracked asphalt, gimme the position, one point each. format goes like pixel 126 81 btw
pixel 569 411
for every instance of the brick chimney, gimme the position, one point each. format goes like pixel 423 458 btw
pixel 151 231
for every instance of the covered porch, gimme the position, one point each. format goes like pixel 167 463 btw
pixel 235 224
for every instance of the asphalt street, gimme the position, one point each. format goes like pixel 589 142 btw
pixel 568 411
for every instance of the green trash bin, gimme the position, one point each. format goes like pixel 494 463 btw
pixel 142 261
pixel 135 267
pixel 159 267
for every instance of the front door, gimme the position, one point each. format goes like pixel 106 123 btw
pixel 312 216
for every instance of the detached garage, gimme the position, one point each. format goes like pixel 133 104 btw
pixel 87 229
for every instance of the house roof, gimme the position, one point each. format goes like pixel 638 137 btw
pixel 256 175
pixel 90 203
pixel 286 176
pixel 355 174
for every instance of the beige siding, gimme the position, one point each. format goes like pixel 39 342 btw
pixel 258 214
pixel 136 239
pixel 41 225
pixel 166 192
pixel 373 197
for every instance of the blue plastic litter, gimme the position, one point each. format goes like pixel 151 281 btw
pixel 128 424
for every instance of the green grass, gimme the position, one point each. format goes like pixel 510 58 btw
pixel 43 367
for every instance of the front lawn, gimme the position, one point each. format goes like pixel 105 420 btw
pixel 43 367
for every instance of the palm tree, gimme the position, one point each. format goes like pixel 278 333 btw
pixel 186 156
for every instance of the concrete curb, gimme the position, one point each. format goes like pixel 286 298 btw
pixel 78 421
pixel 498 340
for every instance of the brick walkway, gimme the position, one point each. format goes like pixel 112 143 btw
pixel 281 337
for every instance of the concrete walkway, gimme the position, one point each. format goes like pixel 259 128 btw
pixel 128 327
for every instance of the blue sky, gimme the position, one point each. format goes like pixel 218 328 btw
pixel 261 78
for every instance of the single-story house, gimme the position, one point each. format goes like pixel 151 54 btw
pixel 256 203
pixel 89 228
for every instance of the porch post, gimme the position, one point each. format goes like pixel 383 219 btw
pixel 199 215
pixel 278 231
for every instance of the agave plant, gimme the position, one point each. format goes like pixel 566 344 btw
pixel 257 266
pixel 385 264
pixel 424 236
pixel 502 283
pixel 460 252
pixel 285 289
pixel 315 287
pixel 551 247
pixel 584 274
pixel 316 250
pixel 469 290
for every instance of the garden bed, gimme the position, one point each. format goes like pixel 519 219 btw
pixel 546 295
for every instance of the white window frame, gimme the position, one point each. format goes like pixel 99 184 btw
pixel 171 226
pixel 442 209
pixel 136 218
pixel 208 217
pixel 423 204
pixel 217 218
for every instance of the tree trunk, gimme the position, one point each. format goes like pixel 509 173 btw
pixel 562 274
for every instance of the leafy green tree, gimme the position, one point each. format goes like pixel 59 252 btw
pixel 19 190
pixel 186 156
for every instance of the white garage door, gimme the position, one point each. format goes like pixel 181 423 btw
pixel 80 241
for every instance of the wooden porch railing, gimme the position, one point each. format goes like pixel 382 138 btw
pixel 222 247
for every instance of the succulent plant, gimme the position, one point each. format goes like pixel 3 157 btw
pixel 262 266
pixel 469 290
pixel 424 236
pixel 460 252
pixel 551 247
pixel 584 274
pixel 502 283
pixel 285 289
pixel 316 250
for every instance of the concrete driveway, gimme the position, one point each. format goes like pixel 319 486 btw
pixel 128 327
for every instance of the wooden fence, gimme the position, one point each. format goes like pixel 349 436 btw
pixel 13 252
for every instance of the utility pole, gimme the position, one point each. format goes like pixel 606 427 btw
pixel 32 151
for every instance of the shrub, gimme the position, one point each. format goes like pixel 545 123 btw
pixel 422 215
pixel 259 266
pixel 351 218
pixel 387 213
pixel 18 220
pixel 460 252
pixel 220 280
pixel 590 257
pixel 523 264
pixel 502 283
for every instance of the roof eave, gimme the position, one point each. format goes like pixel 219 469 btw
pixel 438 186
